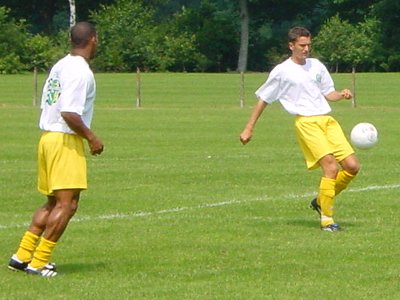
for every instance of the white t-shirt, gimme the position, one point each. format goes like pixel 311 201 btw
pixel 70 87
pixel 299 88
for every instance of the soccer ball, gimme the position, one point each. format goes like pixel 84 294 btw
pixel 364 135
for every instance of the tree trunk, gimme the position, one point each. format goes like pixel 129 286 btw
pixel 353 73
pixel 72 10
pixel 244 36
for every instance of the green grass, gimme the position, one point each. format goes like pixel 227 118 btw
pixel 177 208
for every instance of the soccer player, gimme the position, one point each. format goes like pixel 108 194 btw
pixel 67 109
pixel 304 86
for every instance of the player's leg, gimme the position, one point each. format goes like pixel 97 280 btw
pixel 31 237
pixel 39 219
pixel 62 165
pixel 350 168
pixel 66 204
pixel 311 135
pixel 326 195
pixel 64 209
pixel 344 154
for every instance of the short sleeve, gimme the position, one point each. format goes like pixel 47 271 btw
pixel 327 84
pixel 269 91
pixel 73 94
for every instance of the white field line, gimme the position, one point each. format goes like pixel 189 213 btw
pixel 142 214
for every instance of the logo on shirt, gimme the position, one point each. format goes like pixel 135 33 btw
pixel 53 91
pixel 318 77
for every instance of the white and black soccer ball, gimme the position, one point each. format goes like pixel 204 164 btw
pixel 364 135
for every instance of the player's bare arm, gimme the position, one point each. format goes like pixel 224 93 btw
pixel 339 95
pixel 247 133
pixel 75 122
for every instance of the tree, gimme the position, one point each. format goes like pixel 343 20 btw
pixel 270 20
pixel 339 42
pixel 387 12
pixel 130 38
pixel 214 25
pixel 49 16
pixel 363 41
pixel 126 34
pixel 72 15
pixel 207 35
pixel 217 34
pixel 13 35
pixel 179 51
pixel 333 40
pixel 244 36
pixel 353 11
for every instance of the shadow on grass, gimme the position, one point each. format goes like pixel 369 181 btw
pixel 315 223
pixel 81 267
pixel 304 223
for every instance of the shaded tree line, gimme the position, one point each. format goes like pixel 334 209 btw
pixel 202 35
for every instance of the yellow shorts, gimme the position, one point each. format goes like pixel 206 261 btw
pixel 61 163
pixel 319 136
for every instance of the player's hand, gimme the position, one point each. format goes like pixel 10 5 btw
pixel 245 136
pixel 346 94
pixel 96 146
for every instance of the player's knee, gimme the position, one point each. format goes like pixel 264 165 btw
pixel 329 166
pixel 353 169
pixel 68 208
pixel 352 166
pixel 73 208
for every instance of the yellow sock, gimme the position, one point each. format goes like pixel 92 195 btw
pixel 42 254
pixel 27 246
pixel 343 179
pixel 327 200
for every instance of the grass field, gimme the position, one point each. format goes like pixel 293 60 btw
pixel 177 208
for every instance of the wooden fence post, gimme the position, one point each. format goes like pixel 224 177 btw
pixel 242 92
pixel 353 73
pixel 35 83
pixel 138 87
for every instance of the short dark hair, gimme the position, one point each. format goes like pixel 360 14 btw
pixel 296 32
pixel 81 33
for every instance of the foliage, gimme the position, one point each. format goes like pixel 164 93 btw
pixel 12 38
pixel 20 50
pixel 217 33
pixel 11 64
pixel 41 52
pixel 179 50
pixel 332 41
pixel 49 17
pixel 363 42
pixel 339 42
pixel 180 54
pixel 188 41
pixel 200 35
pixel 130 38
pixel 388 13
pixel 126 34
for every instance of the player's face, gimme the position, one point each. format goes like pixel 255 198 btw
pixel 300 49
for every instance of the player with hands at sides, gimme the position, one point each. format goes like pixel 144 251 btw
pixel 67 109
